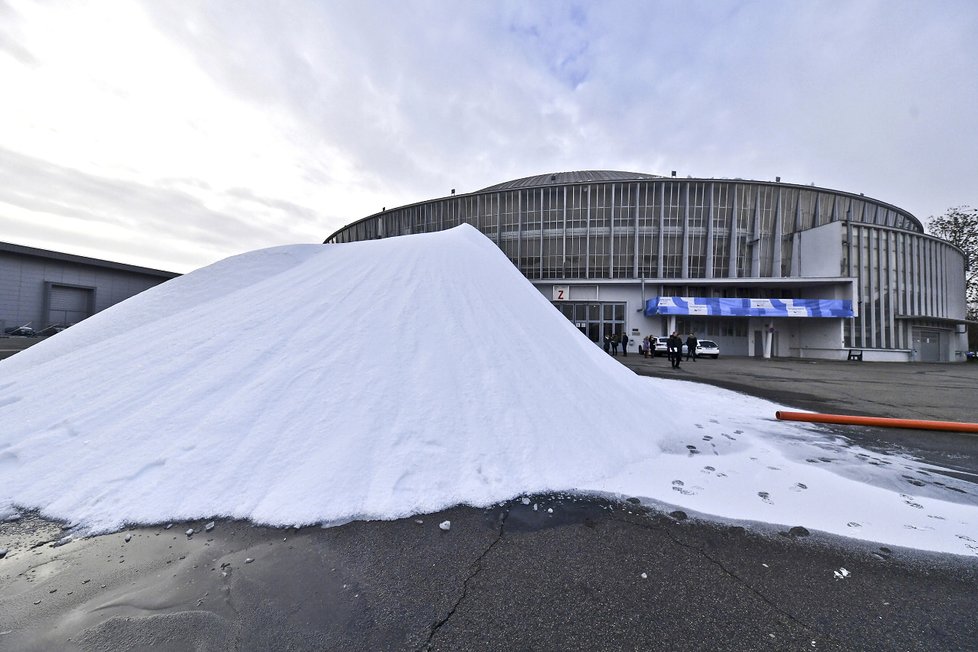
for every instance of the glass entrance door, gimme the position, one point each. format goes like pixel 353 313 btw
pixel 594 319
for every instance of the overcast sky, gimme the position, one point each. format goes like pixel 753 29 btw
pixel 172 134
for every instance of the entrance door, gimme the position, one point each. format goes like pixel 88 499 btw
pixel 927 343
pixel 594 319
pixel 758 344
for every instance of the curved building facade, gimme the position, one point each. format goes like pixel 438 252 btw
pixel 762 268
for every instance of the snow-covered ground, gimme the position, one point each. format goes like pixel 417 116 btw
pixel 375 380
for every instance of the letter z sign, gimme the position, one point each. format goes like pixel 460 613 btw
pixel 561 292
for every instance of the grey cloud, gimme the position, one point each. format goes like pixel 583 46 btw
pixel 869 96
pixel 165 212
pixel 421 97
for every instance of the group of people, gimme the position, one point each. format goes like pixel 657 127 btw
pixel 674 347
pixel 613 341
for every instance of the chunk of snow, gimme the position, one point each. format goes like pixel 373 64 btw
pixel 841 574
pixel 445 525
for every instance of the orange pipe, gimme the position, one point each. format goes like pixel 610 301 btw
pixel 916 424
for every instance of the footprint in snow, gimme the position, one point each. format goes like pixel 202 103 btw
pixel 799 486
pixel 707 437
pixel 910 501
pixel 698 425
pixel 679 485
pixel 853 524
pixel 729 437
pixel 766 497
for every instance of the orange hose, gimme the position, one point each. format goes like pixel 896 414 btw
pixel 916 424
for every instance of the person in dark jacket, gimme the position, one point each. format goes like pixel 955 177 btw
pixel 674 347
pixel 607 343
pixel 614 344
pixel 624 344
pixel 691 344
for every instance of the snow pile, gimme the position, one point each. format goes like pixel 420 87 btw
pixel 310 383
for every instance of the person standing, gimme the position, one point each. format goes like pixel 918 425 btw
pixel 691 344
pixel 607 343
pixel 624 344
pixel 614 344
pixel 674 347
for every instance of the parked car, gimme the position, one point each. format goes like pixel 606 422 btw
pixel 704 349
pixel 20 331
pixel 53 329
pixel 661 346
pixel 707 349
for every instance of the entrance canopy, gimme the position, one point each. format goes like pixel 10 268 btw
pixel 729 307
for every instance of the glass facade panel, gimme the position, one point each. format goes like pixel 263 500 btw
pixel 623 216
pixel 648 244
pixel 699 215
pixel 672 230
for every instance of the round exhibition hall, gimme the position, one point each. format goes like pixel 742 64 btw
pixel 762 268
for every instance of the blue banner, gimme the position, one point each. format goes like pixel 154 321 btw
pixel 748 307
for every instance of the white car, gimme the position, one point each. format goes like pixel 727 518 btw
pixel 707 349
pixel 661 346
pixel 704 348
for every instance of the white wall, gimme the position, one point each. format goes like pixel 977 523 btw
pixel 820 251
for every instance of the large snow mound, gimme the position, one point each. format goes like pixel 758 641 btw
pixel 374 380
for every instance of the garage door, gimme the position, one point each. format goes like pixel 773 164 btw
pixel 69 305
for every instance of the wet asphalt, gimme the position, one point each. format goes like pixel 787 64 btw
pixel 557 573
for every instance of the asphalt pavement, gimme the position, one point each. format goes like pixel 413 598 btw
pixel 552 572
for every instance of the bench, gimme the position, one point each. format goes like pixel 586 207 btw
pixel 855 354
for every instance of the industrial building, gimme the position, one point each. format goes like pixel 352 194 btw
pixel 46 291
pixel 763 268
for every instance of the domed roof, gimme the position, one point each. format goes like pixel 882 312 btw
pixel 560 178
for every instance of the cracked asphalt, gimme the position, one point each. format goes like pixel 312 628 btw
pixel 577 572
